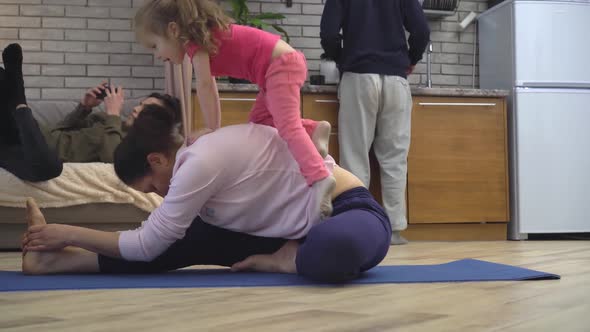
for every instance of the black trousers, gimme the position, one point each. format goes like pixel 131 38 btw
pixel 23 149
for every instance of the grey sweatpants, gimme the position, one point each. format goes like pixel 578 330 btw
pixel 376 110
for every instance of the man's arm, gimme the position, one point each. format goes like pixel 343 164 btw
pixel 112 128
pixel 416 24
pixel 109 132
pixel 77 118
pixel 330 26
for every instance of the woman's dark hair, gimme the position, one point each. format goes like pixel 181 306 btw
pixel 171 102
pixel 156 129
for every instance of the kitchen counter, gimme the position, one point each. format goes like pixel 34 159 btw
pixel 416 91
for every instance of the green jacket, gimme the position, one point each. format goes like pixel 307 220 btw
pixel 84 136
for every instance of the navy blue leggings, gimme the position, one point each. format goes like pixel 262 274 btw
pixel 355 239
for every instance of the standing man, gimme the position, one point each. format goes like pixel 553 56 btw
pixel 375 99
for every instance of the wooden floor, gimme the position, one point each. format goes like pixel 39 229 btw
pixel 556 305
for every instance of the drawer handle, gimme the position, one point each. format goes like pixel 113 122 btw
pixel 457 104
pixel 237 99
pixel 326 101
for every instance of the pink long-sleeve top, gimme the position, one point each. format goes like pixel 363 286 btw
pixel 243 52
pixel 242 178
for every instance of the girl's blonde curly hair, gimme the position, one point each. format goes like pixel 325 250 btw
pixel 196 20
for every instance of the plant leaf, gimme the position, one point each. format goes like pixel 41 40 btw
pixel 269 16
pixel 256 22
pixel 281 30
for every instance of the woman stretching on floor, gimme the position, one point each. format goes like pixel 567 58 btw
pixel 234 198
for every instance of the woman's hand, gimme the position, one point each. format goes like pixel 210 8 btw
pixel 114 100
pixel 46 237
pixel 90 98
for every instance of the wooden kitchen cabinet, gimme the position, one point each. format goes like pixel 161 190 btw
pixel 323 107
pixel 457 165
pixel 235 108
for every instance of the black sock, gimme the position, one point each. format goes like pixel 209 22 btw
pixel 14 82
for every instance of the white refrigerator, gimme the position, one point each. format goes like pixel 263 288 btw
pixel 540 51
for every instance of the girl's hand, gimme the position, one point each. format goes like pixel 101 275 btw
pixel 90 99
pixel 47 237
pixel 114 100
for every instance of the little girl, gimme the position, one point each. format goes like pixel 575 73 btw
pixel 201 29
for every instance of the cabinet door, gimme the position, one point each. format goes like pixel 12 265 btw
pixel 235 108
pixel 457 165
pixel 323 107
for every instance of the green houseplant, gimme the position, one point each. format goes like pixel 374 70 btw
pixel 241 14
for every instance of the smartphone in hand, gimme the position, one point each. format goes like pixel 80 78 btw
pixel 103 92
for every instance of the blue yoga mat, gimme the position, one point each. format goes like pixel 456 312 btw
pixel 457 271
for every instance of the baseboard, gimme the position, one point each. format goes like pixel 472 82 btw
pixel 456 232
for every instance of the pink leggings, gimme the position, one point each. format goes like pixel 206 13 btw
pixel 278 105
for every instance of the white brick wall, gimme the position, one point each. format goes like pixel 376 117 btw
pixel 71 45
pixel 453 49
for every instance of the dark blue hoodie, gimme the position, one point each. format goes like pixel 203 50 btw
pixel 373 38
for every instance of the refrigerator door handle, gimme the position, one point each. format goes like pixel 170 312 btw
pixel 457 104
pixel 565 85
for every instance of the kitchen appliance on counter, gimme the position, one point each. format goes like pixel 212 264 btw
pixel 539 51
pixel 329 70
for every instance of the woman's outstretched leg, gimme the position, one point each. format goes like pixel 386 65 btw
pixel 203 244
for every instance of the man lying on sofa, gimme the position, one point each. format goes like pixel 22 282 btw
pixel 34 153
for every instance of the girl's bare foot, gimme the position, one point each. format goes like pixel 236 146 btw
pixel 321 137
pixel 324 193
pixel 282 261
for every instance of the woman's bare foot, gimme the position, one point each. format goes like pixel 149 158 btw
pixel 282 261
pixel 321 137
pixel 67 260
pixel 33 261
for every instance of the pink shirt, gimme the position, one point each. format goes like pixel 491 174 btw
pixel 244 52
pixel 242 178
